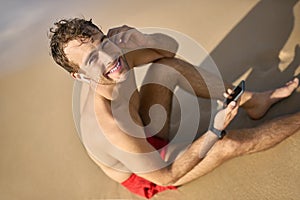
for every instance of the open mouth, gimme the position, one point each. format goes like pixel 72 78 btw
pixel 114 68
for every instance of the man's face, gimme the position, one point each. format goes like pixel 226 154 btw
pixel 100 58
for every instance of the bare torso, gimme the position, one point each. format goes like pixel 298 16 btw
pixel 95 113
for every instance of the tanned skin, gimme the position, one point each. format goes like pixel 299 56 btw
pixel 189 165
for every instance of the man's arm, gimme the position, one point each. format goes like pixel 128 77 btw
pixel 132 151
pixel 202 82
pixel 133 154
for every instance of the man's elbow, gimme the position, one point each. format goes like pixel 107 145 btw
pixel 166 181
pixel 172 49
pixel 165 45
pixel 172 181
pixel 164 177
pixel 175 47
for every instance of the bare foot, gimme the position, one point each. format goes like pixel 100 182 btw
pixel 260 102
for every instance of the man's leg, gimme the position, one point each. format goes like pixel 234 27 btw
pixel 157 94
pixel 256 104
pixel 151 94
pixel 245 141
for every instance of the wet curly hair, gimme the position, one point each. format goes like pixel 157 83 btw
pixel 66 30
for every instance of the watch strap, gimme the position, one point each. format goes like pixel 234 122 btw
pixel 219 133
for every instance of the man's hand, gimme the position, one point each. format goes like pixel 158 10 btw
pixel 127 37
pixel 142 48
pixel 225 116
pixel 130 39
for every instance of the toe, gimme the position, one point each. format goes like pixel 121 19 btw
pixel 295 82
pixel 288 83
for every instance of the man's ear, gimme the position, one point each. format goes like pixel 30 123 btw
pixel 80 77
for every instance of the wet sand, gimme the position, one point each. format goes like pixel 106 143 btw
pixel 41 156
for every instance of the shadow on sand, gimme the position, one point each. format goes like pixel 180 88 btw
pixel 255 43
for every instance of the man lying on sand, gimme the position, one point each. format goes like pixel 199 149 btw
pixel 80 47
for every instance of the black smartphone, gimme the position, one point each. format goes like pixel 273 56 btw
pixel 236 94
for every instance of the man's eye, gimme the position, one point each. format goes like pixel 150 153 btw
pixel 92 59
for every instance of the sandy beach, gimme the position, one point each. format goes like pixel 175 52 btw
pixel 41 155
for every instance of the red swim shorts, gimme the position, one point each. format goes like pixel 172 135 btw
pixel 143 187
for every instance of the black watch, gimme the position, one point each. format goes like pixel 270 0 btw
pixel 219 133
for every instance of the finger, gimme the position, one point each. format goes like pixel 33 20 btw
pixel 112 32
pixel 117 38
pixel 229 91
pixel 227 95
pixel 235 110
pixel 117 30
pixel 231 106
pixel 109 33
pixel 127 35
pixel 120 37
pixel 220 104
pixel 236 106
